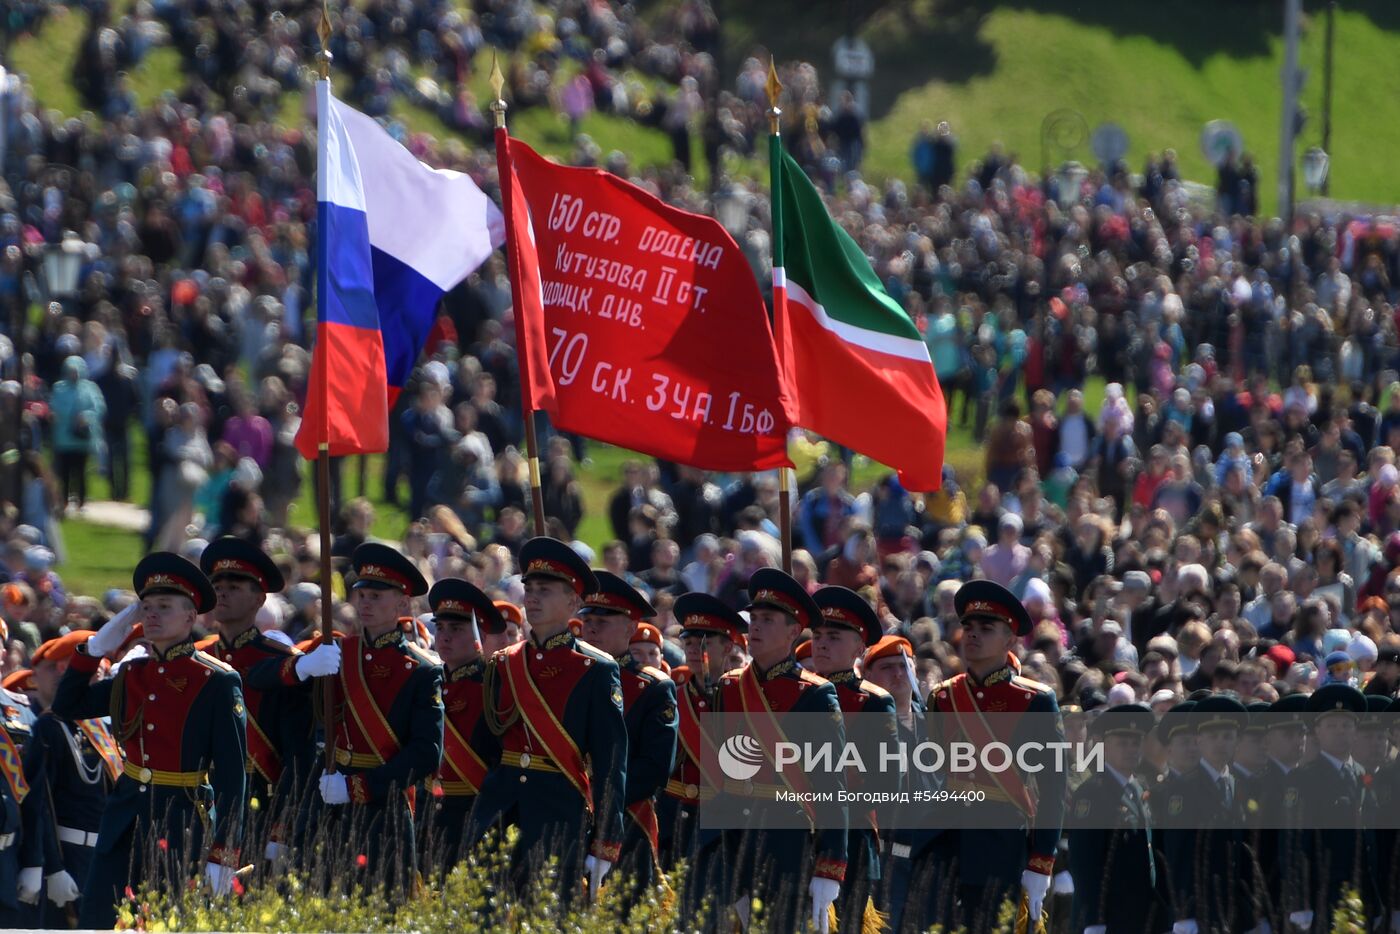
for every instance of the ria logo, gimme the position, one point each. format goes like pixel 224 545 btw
pixel 740 757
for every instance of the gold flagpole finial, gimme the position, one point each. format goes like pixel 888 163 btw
pixel 323 29
pixel 498 83
pixel 775 90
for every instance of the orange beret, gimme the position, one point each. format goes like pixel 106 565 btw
pixel 887 647
pixel 511 612
pixel 803 650
pixel 1373 603
pixel 62 648
pixel 21 679
pixel 646 632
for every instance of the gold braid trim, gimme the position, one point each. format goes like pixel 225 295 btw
pixel 123 731
pixel 495 722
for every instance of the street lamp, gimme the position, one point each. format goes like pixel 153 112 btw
pixel 62 264
pixel 1315 165
pixel 732 204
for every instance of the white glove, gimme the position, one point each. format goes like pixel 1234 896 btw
pixel 113 632
pixel 1096 929
pixel 1185 927
pixel 334 790
pixel 274 851
pixel 742 908
pixel 220 877
pixel 1063 883
pixel 824 892
pixel 31 880
pixel 1301 919
pixel 320 661
pixel 1035 885
pixel 596 869
pixel 62 888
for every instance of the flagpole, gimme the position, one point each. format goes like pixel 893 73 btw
pixel 527 411
pixel 323 454
pixel 775 113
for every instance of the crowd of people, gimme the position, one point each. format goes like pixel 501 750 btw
pixel 1188 417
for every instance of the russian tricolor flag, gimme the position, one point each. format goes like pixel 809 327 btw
pixel 393 236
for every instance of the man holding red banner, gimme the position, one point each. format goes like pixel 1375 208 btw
pixel 997 864
pixel 610 615
pixel 389 736
pixel 462 613
pixel 552 707
pixel 771 865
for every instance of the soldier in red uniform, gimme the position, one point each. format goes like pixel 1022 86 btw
pixel 709 629
pixel 389 721
pixel 610 615
pixel 179 716
pixel 847 626
pixel 553 732
pixel 1014 854
pixel 280 747
pixel 782 868
pixel 464 615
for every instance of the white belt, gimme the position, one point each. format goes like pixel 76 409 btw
pixel 901 850
pixel 7 840
pixel 77 837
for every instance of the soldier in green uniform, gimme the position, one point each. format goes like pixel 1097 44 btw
pixel 552 707
pixel 178 714
pixel 610 616
pixel 1212 868
pixel 280 747
pixel 1285 739
pixel 1110 833
pixel 847 627
pixel 1335 813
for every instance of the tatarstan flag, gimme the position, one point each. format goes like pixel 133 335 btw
pixel 855 363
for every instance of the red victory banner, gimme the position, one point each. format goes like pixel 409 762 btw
pixel 647 319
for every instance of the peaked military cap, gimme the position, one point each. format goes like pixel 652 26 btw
pixel 548 557
pixel 384 568
pixel 454 598
pixel 984 599
pixel 233 557
pixel 166 572
pixel 843 607
pixel 774 589
pixel 615 595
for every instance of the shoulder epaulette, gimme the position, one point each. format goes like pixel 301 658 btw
pixel 656 674
pixel 870 687
pixel 680 674
pixel 422 655
pixel 207 643
pixel 592 651
pixel 206 659
pixel 1031 684
pixel 277 647
pixel 811 677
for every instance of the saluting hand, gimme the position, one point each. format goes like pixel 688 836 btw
pixel 113 632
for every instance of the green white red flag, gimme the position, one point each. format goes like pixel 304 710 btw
pixel 855 364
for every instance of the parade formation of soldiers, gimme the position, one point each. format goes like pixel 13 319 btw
pixel 135 756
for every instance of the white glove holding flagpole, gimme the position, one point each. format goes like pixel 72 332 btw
pixel 1035 885
pixel 319 662
pixel 596 869
pixel 62 888
pixel 334 790
pixel 220 877
pixel 824 892
pixel 113 632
